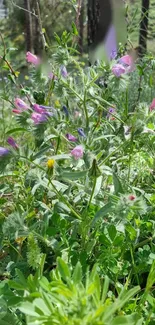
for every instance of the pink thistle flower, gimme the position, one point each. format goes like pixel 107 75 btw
pixel 12 143
pixel 20 104
pixel 118 70
pixel 152 106
pixel 38 118
pixel 77 152
pixel 131 197
pixel 31 58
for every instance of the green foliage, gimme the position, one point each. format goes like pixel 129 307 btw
pixel 74 232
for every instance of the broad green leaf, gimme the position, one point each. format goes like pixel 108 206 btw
pixel 3 308
pixel 63 268
pixel 41 306
pixel 21 278
pixel 108 208
pixel 28 309
pixel 73 175
pixel 77 274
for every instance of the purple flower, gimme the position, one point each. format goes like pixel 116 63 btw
pixel 38 109
pixel 111 111
pixel 63 71
pixel 38 118
pixel 113 54
pixel 41 109
pixel 71 137
pixel 65 109
pixel 20 104
pixel 4 151
pixel 81 132
pixel 77 152
pixel 12 143
pixel 118 70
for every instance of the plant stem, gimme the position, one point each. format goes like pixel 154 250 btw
pixel 92 192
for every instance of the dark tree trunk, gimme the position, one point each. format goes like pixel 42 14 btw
pixel 99 20
pixel 144 28
pixel 81 27
pixel 36 31
pixel 28 26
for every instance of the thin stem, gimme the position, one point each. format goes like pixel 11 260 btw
pixel 85 109
pixel 92 192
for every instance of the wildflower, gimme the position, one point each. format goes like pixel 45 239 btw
pixel 4 151
pixel 131 197
pixel 81 132
pixel 71 137
pixel 65 109
pixel 113 54
pixel 77 152
pixel 127 62
pixel 57 103
pixel 38 109
pixel 118 70
pixel 51 75
pixel 38 118
pixel 12 143
pixel 152 106
pixel 77 114
pixel 50 163
pixel 17 111
pixel 31 58
pixel 111 111
pixel 63 71
pixel 20 104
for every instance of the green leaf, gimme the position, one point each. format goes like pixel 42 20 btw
pixel 108 208
pixel 3 308
pixel 16 130
pixel 63 268
pixel 112 232
pixel 73 175
pixel 21 278
pixel 117 185
pixel 77 275
pixel 28 309
pixel 40 153
pixel 59 157
pixel 132 232
pixel 74 29
pixel 105 289
pixel 123 298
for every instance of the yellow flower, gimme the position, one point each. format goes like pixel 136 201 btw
pixel 20 240
pixel 50 163
pixel 26 77
pixel 17 73
pixel 57 103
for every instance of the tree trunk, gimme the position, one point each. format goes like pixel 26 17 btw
pixel 28 26
pixel 99 20
pixel 81 27
pixel 144 28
